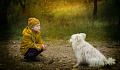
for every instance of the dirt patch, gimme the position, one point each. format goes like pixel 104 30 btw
pixel 58 56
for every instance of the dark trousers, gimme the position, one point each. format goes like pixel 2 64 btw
pixel 32 53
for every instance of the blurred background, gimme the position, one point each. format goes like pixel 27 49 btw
pixel 99 19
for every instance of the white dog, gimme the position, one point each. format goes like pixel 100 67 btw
pixel 86 53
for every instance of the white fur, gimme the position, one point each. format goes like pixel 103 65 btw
pixel 86 53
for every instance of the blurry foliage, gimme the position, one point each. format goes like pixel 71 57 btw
pixel 62 18
pixel 109 12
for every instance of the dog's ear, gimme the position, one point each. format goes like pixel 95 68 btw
pixel 84 35
pixel 77 38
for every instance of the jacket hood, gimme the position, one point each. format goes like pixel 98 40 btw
pixel 27 31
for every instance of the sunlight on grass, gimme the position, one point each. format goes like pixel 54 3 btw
pixel 67 9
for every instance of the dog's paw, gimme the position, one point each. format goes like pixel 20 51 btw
pixel 75 66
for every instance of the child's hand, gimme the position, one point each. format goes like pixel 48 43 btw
pixel 38 48
pixel 44 47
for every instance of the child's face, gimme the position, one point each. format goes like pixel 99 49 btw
pixel 36 28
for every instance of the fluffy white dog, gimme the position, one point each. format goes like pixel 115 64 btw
pixel 86 53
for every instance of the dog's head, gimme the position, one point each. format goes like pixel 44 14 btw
pixel 78 37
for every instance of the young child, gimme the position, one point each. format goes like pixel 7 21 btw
pixel 32 44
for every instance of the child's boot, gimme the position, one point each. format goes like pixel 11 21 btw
pixel 26 59
pixel 35 59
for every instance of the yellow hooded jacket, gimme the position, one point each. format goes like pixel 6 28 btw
pixel 28 40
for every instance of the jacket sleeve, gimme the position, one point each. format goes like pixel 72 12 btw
pixel 27 42
pixel 40 43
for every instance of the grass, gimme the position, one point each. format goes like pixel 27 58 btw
pixel 61 20
pixel 94 33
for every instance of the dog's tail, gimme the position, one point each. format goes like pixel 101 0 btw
pixel 111 61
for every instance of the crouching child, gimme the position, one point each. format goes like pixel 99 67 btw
pixel 32 44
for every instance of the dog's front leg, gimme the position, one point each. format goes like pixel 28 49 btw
pixel 76 64
pixel 79 59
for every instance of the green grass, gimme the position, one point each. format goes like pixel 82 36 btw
pixel 94 32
